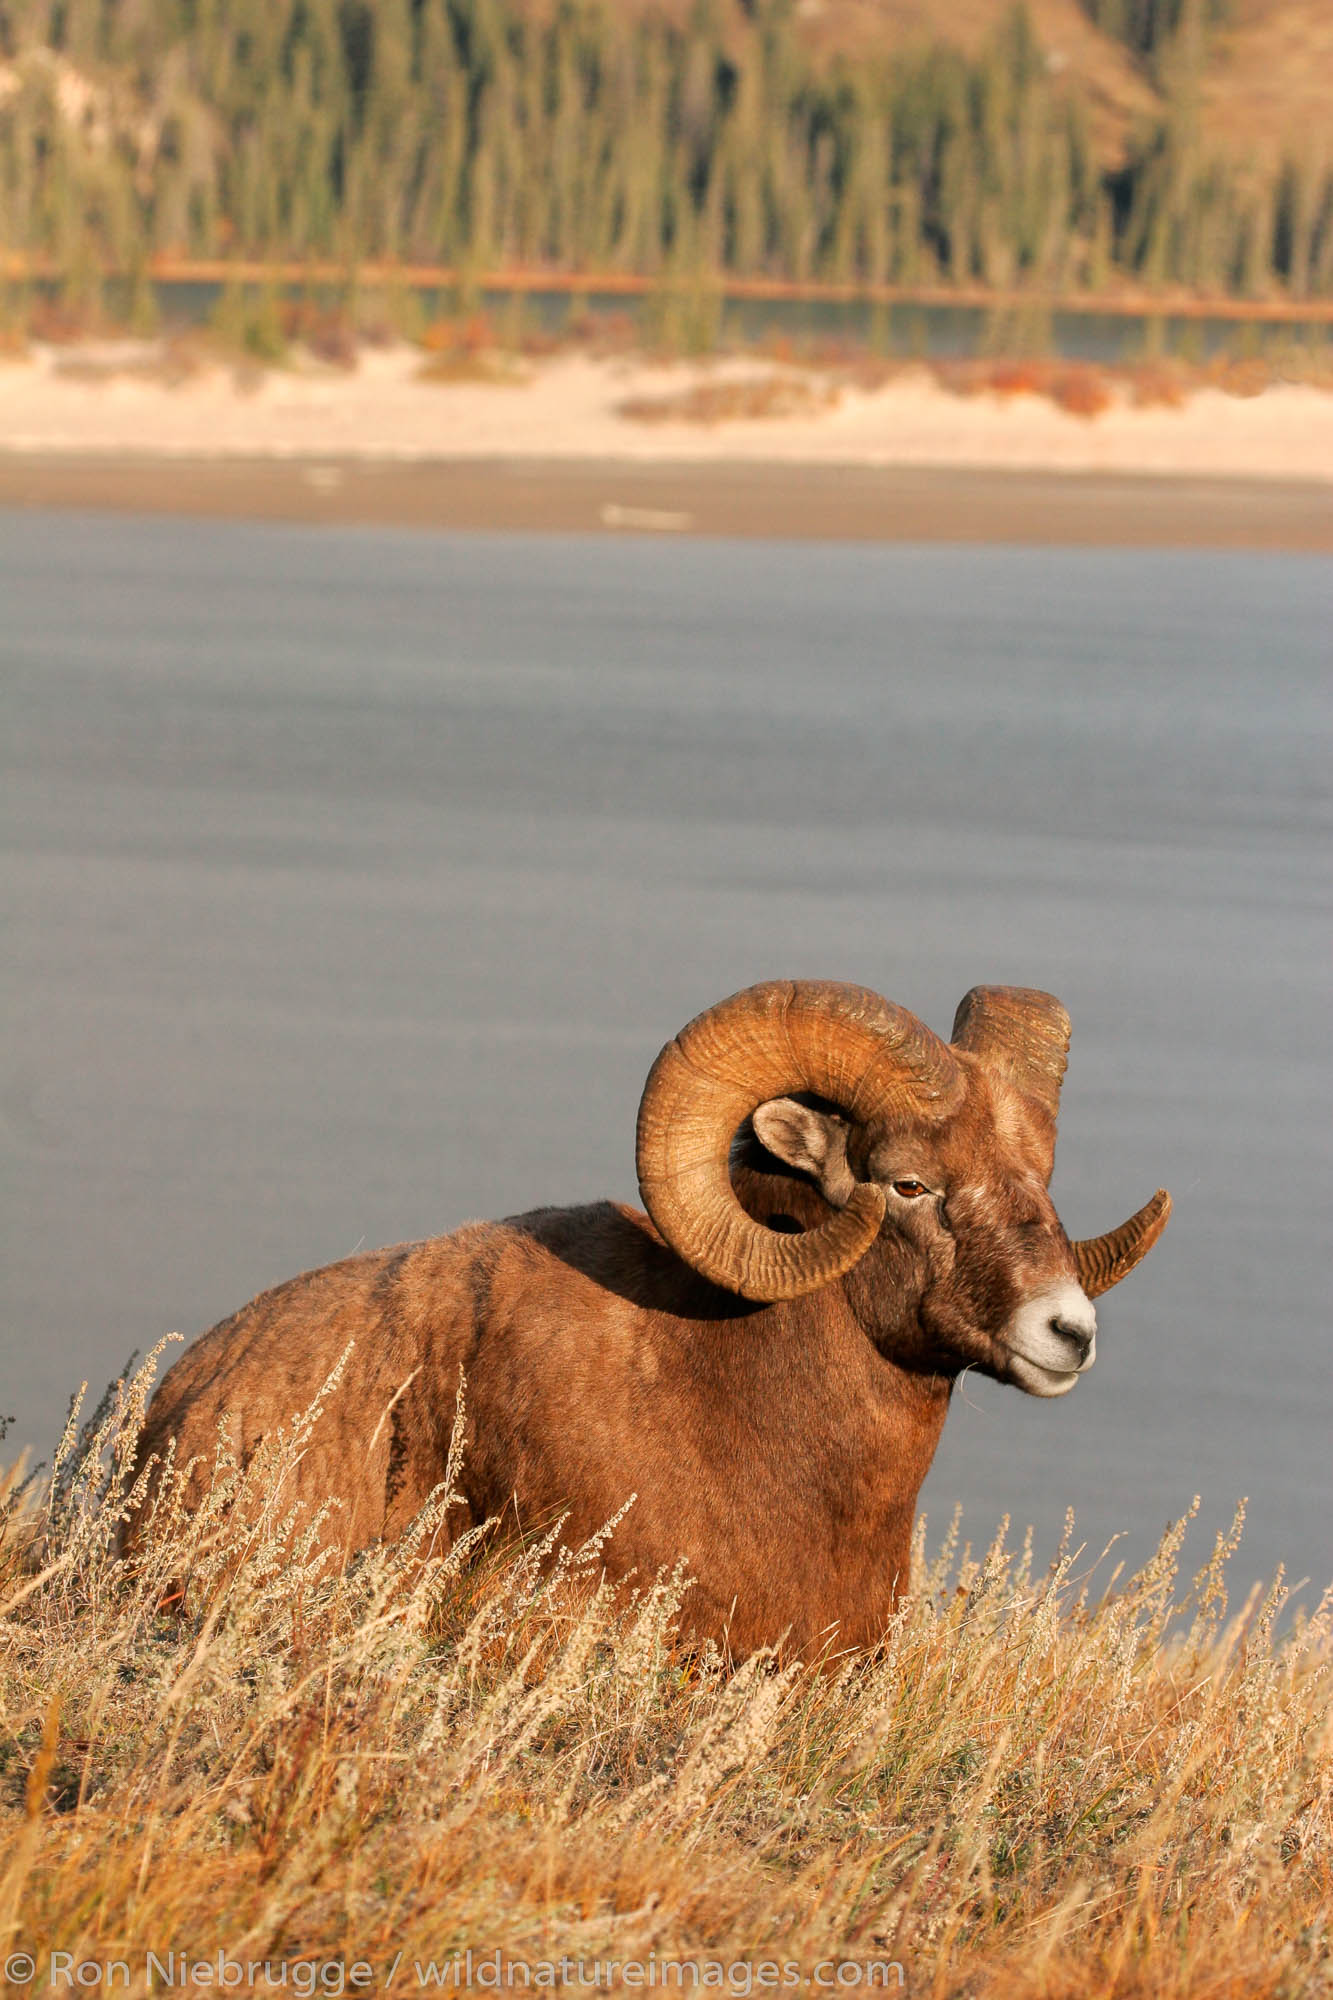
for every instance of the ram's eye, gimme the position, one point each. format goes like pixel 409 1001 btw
pixel 910 1189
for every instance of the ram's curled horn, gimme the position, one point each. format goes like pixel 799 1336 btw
pixel 1104 1260
pixel 840 1042
pixel 1022 1033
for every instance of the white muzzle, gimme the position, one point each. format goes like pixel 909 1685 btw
pixel 1052 1340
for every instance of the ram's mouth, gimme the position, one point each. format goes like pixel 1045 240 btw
pixel 1050 1341
pixel 1038 1380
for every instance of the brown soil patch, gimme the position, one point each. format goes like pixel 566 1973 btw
pixel 743 397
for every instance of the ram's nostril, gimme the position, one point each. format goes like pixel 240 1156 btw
pixel 1076 1335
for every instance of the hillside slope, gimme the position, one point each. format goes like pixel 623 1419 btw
pixel 1267 80
pixel 1264 85
pixel 1117 91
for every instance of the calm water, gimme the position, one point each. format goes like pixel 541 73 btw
pixel 944 332
pixel 353 879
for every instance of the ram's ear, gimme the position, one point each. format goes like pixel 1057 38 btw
pixel 813 1142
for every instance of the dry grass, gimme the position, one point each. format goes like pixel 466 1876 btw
pixel 1029 1789
pixel 735 398
pixel 467 350
pixel 463 365
pixel 1081 388
pixel 1087 388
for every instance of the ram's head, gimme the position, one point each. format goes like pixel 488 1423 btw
pixel 939 1153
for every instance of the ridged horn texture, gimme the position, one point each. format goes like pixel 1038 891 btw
pixel 840 1042
pixel 1022 1033
pixel 1104 1260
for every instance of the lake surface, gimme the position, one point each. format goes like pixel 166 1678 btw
pixel 353 879
pixel 943 331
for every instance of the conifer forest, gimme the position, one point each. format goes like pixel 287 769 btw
pixel 600 136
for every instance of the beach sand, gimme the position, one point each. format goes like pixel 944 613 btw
pixel 842 503
pixel 548 445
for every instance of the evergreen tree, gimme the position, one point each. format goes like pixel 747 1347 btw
pixel 582 136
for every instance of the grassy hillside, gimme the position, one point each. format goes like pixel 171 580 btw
pixel 876 141
pixel 1033 1787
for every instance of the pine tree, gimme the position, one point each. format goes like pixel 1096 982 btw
pixel 583 135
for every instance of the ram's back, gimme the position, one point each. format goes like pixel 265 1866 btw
pixel 397 1325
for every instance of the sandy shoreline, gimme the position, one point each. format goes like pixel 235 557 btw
pixel 842 503
pixel 622 444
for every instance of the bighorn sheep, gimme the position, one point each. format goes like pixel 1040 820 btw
pixel 846 1212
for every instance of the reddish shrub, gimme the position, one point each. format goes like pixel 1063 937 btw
pixel 1157 382
pixel 1083 392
